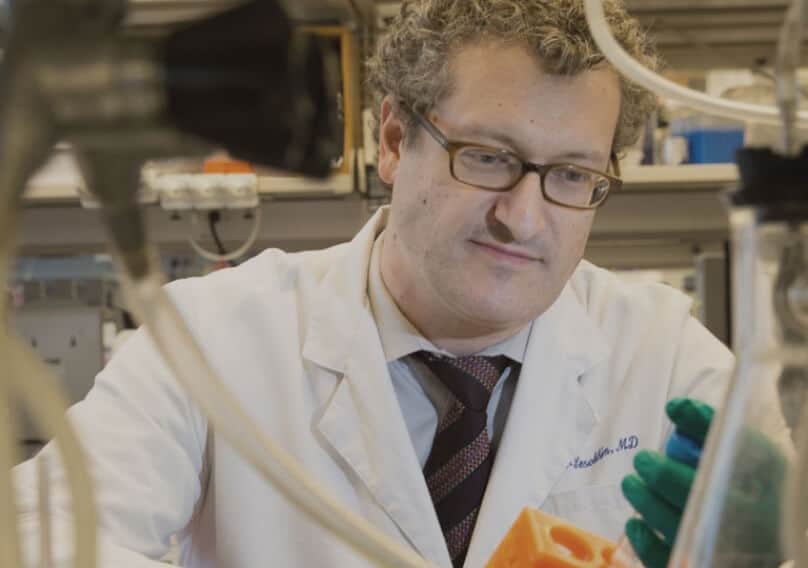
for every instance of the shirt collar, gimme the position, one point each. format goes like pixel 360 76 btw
pixel 401 338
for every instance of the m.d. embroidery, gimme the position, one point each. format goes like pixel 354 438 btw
pixel 623 444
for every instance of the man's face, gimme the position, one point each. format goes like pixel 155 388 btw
pixel 482 259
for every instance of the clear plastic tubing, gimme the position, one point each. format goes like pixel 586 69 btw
pixel 635 71
pixel 735 510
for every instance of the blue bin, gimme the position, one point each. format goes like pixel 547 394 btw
pixel 713 145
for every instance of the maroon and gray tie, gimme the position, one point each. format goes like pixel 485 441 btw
pixel 459 464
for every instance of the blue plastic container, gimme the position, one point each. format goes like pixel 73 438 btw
pixel 713 145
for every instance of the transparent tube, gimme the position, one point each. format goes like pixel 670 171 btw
pixel 183 356
pixel 796 508
pixel 44 509
pixel 624 556
pixel 27 379
pixel 734 514
pixel 796 502
pixel 635 71
pixel 34 385
pixel 9 537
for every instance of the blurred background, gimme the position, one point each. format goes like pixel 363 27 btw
pixel 667 224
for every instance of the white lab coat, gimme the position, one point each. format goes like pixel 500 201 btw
pixel 295 339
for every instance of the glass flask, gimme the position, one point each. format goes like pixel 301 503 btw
pixel 734 517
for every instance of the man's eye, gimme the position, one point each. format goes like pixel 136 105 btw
pixel 485 158
pixel 568 175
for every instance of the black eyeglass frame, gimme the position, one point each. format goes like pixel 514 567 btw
pixel 454 146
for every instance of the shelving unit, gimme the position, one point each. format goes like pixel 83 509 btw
pixel 662 215
pixel 60 181
pixel 161 13
pixel 660 206
pixel 665 218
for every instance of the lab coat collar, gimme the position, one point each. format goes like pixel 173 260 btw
pixel 342 299
pixel 363 421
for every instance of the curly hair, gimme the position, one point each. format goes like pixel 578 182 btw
pixel 412 58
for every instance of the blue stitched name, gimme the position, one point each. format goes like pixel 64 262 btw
pixel 623 444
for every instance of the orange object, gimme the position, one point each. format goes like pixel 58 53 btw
pixel 539 540
pixel 226 166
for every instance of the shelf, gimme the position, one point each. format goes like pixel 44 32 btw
pixel 670 204
pixel 680 178
pixel 60 182
pixel 676 205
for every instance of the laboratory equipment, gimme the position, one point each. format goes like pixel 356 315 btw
pixel 242 80
pixel 624 555
pixel 736 513
pixel 539 540
pixel 67 337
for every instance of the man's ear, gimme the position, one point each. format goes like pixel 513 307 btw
pixel 391 136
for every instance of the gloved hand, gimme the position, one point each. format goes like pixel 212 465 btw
pixel 661 486
pixel 660 489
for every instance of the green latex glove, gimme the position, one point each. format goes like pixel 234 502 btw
pixel 659 489
pixel 661 486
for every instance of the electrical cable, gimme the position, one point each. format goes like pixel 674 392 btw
pixel 236 254
pixel 213 218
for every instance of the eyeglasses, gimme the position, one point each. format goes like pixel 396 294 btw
pixel 495 169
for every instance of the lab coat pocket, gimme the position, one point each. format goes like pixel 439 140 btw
pixel 599 509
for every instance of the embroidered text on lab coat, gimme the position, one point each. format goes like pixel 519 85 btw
pixel 624 444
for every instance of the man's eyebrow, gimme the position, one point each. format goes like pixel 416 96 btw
pixel 593 156
pixel 470 132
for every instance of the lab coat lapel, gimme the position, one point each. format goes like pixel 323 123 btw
pixel 362 420
pixel 550 419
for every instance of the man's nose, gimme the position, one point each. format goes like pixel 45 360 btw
pixel 523 209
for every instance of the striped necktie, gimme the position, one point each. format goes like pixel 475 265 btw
pixel 460 461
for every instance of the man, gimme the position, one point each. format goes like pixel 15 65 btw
pixel 455 362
